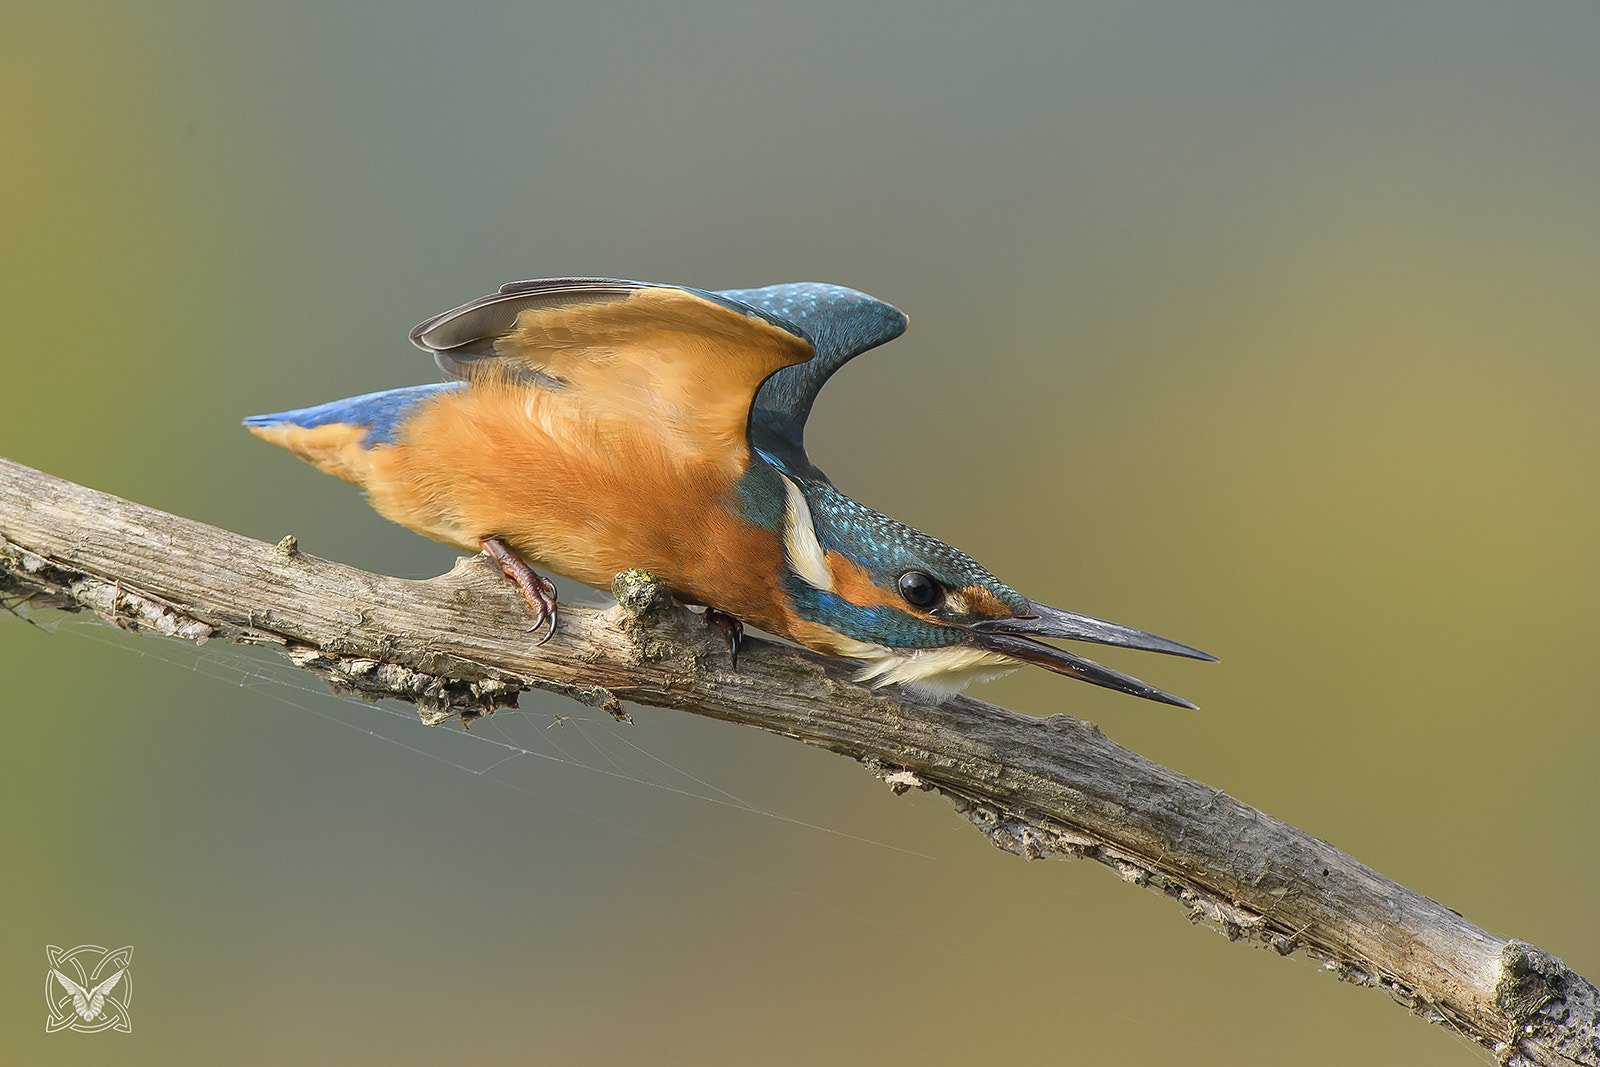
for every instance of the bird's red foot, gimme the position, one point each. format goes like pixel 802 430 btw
pixel 539 591
pixel 732 629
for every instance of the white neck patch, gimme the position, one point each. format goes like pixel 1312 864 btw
pixel 800 539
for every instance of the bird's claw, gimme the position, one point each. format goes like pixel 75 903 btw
pixel 544 608
pixel 539 591
pixel 732 630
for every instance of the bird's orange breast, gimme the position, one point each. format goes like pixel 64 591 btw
pixel 584 497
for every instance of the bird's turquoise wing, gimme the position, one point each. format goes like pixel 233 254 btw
pixel 841 324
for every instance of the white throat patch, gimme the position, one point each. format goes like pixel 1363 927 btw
pixel 936 673
pixel 800 539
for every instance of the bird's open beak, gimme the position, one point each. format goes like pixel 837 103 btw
pixel 1015 638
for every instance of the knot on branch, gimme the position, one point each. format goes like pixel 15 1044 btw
pixel 643 597
pixel 1548 1006
pixel 661 628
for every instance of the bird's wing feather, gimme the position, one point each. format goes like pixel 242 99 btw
pixel 664 360
pixel 841 324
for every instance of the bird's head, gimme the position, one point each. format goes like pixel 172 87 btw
pixel 924 614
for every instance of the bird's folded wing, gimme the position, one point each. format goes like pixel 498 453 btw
pixel 666 361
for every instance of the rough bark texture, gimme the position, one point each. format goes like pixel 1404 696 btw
pixel 456 646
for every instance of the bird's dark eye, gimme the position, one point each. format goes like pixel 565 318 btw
pixel 920 590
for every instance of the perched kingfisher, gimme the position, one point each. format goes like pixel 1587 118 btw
pixel 593 425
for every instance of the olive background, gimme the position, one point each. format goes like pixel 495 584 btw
pixel 1267 327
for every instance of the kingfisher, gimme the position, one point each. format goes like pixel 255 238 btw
pixel 589 426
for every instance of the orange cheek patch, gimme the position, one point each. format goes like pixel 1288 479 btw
pixel 854 583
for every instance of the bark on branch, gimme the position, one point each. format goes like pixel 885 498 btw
pixel 456 646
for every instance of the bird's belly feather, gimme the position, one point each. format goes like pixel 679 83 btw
pixel 581 497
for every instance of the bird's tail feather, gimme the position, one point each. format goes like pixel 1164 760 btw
pixel 337 438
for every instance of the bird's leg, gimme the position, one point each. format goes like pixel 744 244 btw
pixel 732 629
pixel 539 591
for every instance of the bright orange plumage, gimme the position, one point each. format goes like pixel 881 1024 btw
pixel 583 497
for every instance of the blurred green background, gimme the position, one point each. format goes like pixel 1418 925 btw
pixel 1268 327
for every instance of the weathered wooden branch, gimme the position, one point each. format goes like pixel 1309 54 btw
pixel 456 646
